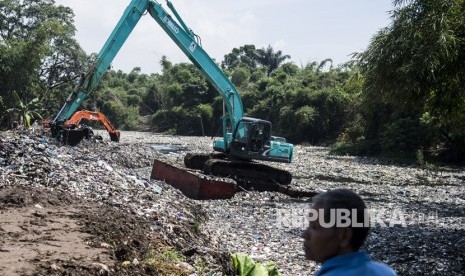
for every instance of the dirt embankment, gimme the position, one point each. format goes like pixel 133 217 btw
pixel 47 232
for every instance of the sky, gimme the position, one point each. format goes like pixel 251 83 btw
pixel 307 30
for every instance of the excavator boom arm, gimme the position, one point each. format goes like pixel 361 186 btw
pixel 185 40
pixel 110 49
pixel 90 116
pixel 183 37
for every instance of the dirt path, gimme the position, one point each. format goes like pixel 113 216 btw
pixel 49 233
pixel 40 229
pixel 46 236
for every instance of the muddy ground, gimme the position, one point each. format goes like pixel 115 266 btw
pixel 45 232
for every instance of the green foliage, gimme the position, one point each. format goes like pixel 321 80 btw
pixel 295 123
pixel 271 59
pixel 250 58
pixel 305 116
pixel 414 69
pixel 38 52
pixel 246 266
pixel 402 136
pixel 17 71
pixel 325 97
pixel 183 101
pixel 245 56
pixel 163 260
pixel 304 104
pixel 205 110
pixel 240 77
pixel 122 117
pixel 289 69
pixel 133 100
pixel 164 121
pixel 25 112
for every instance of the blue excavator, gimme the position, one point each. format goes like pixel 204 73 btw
pixel 244 139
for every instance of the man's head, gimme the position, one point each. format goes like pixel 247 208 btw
pixel 322 242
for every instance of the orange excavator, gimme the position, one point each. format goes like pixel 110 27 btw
pixel 73 132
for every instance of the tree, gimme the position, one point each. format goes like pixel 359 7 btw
pixel 240 76
pixel 183 99
pixel 323 64
pixel 415 68
pixel 38 52
pixel 271 59
pixel 245 56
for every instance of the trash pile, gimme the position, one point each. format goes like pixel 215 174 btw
pixel 116 178
pixel 419 227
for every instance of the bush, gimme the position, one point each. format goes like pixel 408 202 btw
pixel 124 118
pixel 240 76
pixel 404 136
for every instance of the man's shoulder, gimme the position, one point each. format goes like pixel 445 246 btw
pixel 357 263
pixel 371 268
pixel 381 269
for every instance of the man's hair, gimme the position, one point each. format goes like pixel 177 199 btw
pixel 346 199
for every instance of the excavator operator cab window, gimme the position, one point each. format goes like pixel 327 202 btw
pixel 251 136
pixel 260 135
pixel 241 138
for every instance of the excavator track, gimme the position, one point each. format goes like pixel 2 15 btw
pixel 240 170
pixel 196 161
pixel 200 187
pixel 246 170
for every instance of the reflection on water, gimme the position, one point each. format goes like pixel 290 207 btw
pixel 168 148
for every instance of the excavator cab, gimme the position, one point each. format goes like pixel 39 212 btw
pixel 251 138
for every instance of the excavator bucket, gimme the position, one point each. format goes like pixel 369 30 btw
pixel 199 186
pixel 193 185
pixel 72 137
pixel 114 136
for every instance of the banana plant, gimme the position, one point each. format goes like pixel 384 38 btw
pixel 244 265
pixel 25 111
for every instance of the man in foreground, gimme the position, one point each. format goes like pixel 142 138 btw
pixel 338 227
